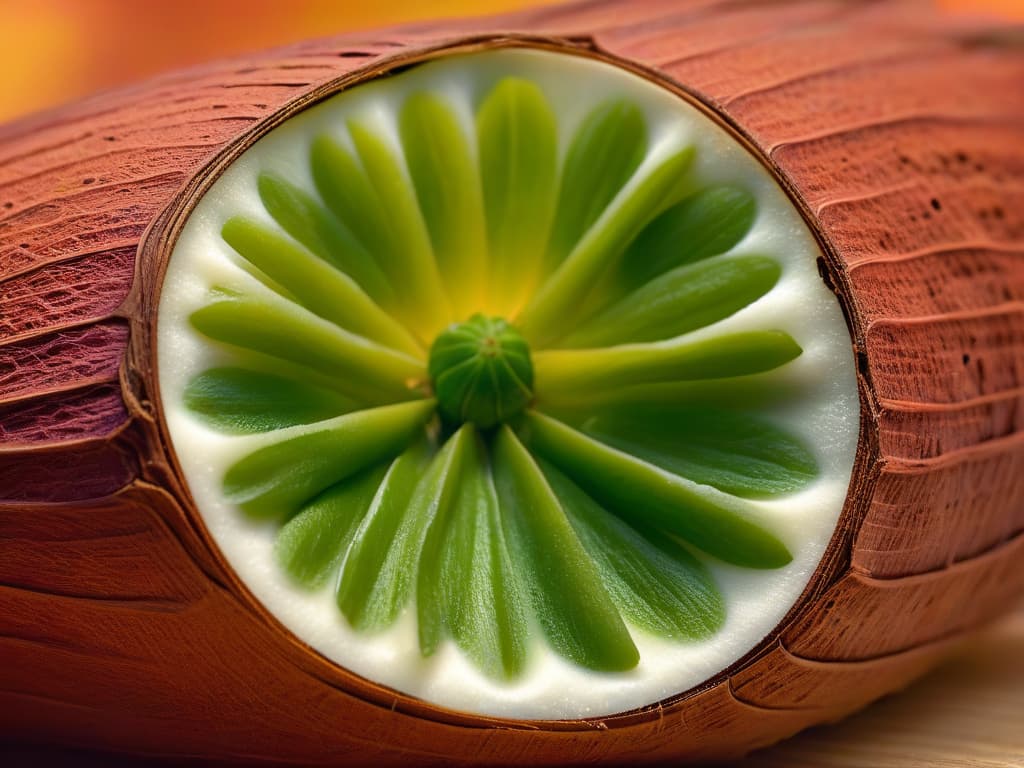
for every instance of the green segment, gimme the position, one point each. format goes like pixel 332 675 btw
pixel 447 185
pixel 573 608
pixel 367 592
pixel 764 391
pixel 377 576
pixel 364 370
pixel 372 197
pixel 274 481
pixel 558 302
pixel 679 301
pixel 636 490
pixel 484 604
pixel 239 400
pixel 310 545
pixel 518 146
pixel 654 581
pixel 305 218
pixel 481 372
pixel 739 354
pixel 436 511
pixel 604 153
pixel 316 285
pixel 736 452
pixel 705 224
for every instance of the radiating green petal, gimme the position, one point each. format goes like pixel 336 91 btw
pixel 373 198
pixel 679 301
pixel 557 372
pixel 311 545
pixel 518 145
pixel 387 553
pixel 316 285
pixel 447 185
pixel 572 606
pixel 635 490
pixel 345 188
pixel 411 252
pixel 308 221
pixel 607 148
pixel 365 370
pixel 559 301
pixel 484 602
pixel 240 400
pixel 705 224
pixel 277 479
pixel 377 577
pixel 762 391
pixel 655 582
pixel 736 452
pixel 434 593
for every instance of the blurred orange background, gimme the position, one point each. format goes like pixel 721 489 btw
pixel 54 51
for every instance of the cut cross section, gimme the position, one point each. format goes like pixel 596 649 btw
pixel 509 382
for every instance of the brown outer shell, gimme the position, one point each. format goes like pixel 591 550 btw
pixel 898 133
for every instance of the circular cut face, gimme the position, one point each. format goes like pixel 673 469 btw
pixel 509 382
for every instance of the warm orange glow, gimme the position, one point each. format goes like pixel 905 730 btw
pixel 54 51
pixel 1011 9
pixel 58 50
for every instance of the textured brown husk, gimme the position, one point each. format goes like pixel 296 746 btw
pixel 898 132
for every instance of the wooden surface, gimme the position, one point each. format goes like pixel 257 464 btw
pixel 901 134
pixel 968 713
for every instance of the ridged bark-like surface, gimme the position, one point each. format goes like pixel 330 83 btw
pixel 899 132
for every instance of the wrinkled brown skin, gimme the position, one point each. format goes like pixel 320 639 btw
pixel 898 132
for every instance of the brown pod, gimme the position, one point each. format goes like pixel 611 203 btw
pixel 897 133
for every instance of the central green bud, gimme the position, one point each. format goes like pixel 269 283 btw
pixel 481 371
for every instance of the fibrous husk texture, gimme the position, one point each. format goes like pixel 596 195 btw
pixel 119 624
